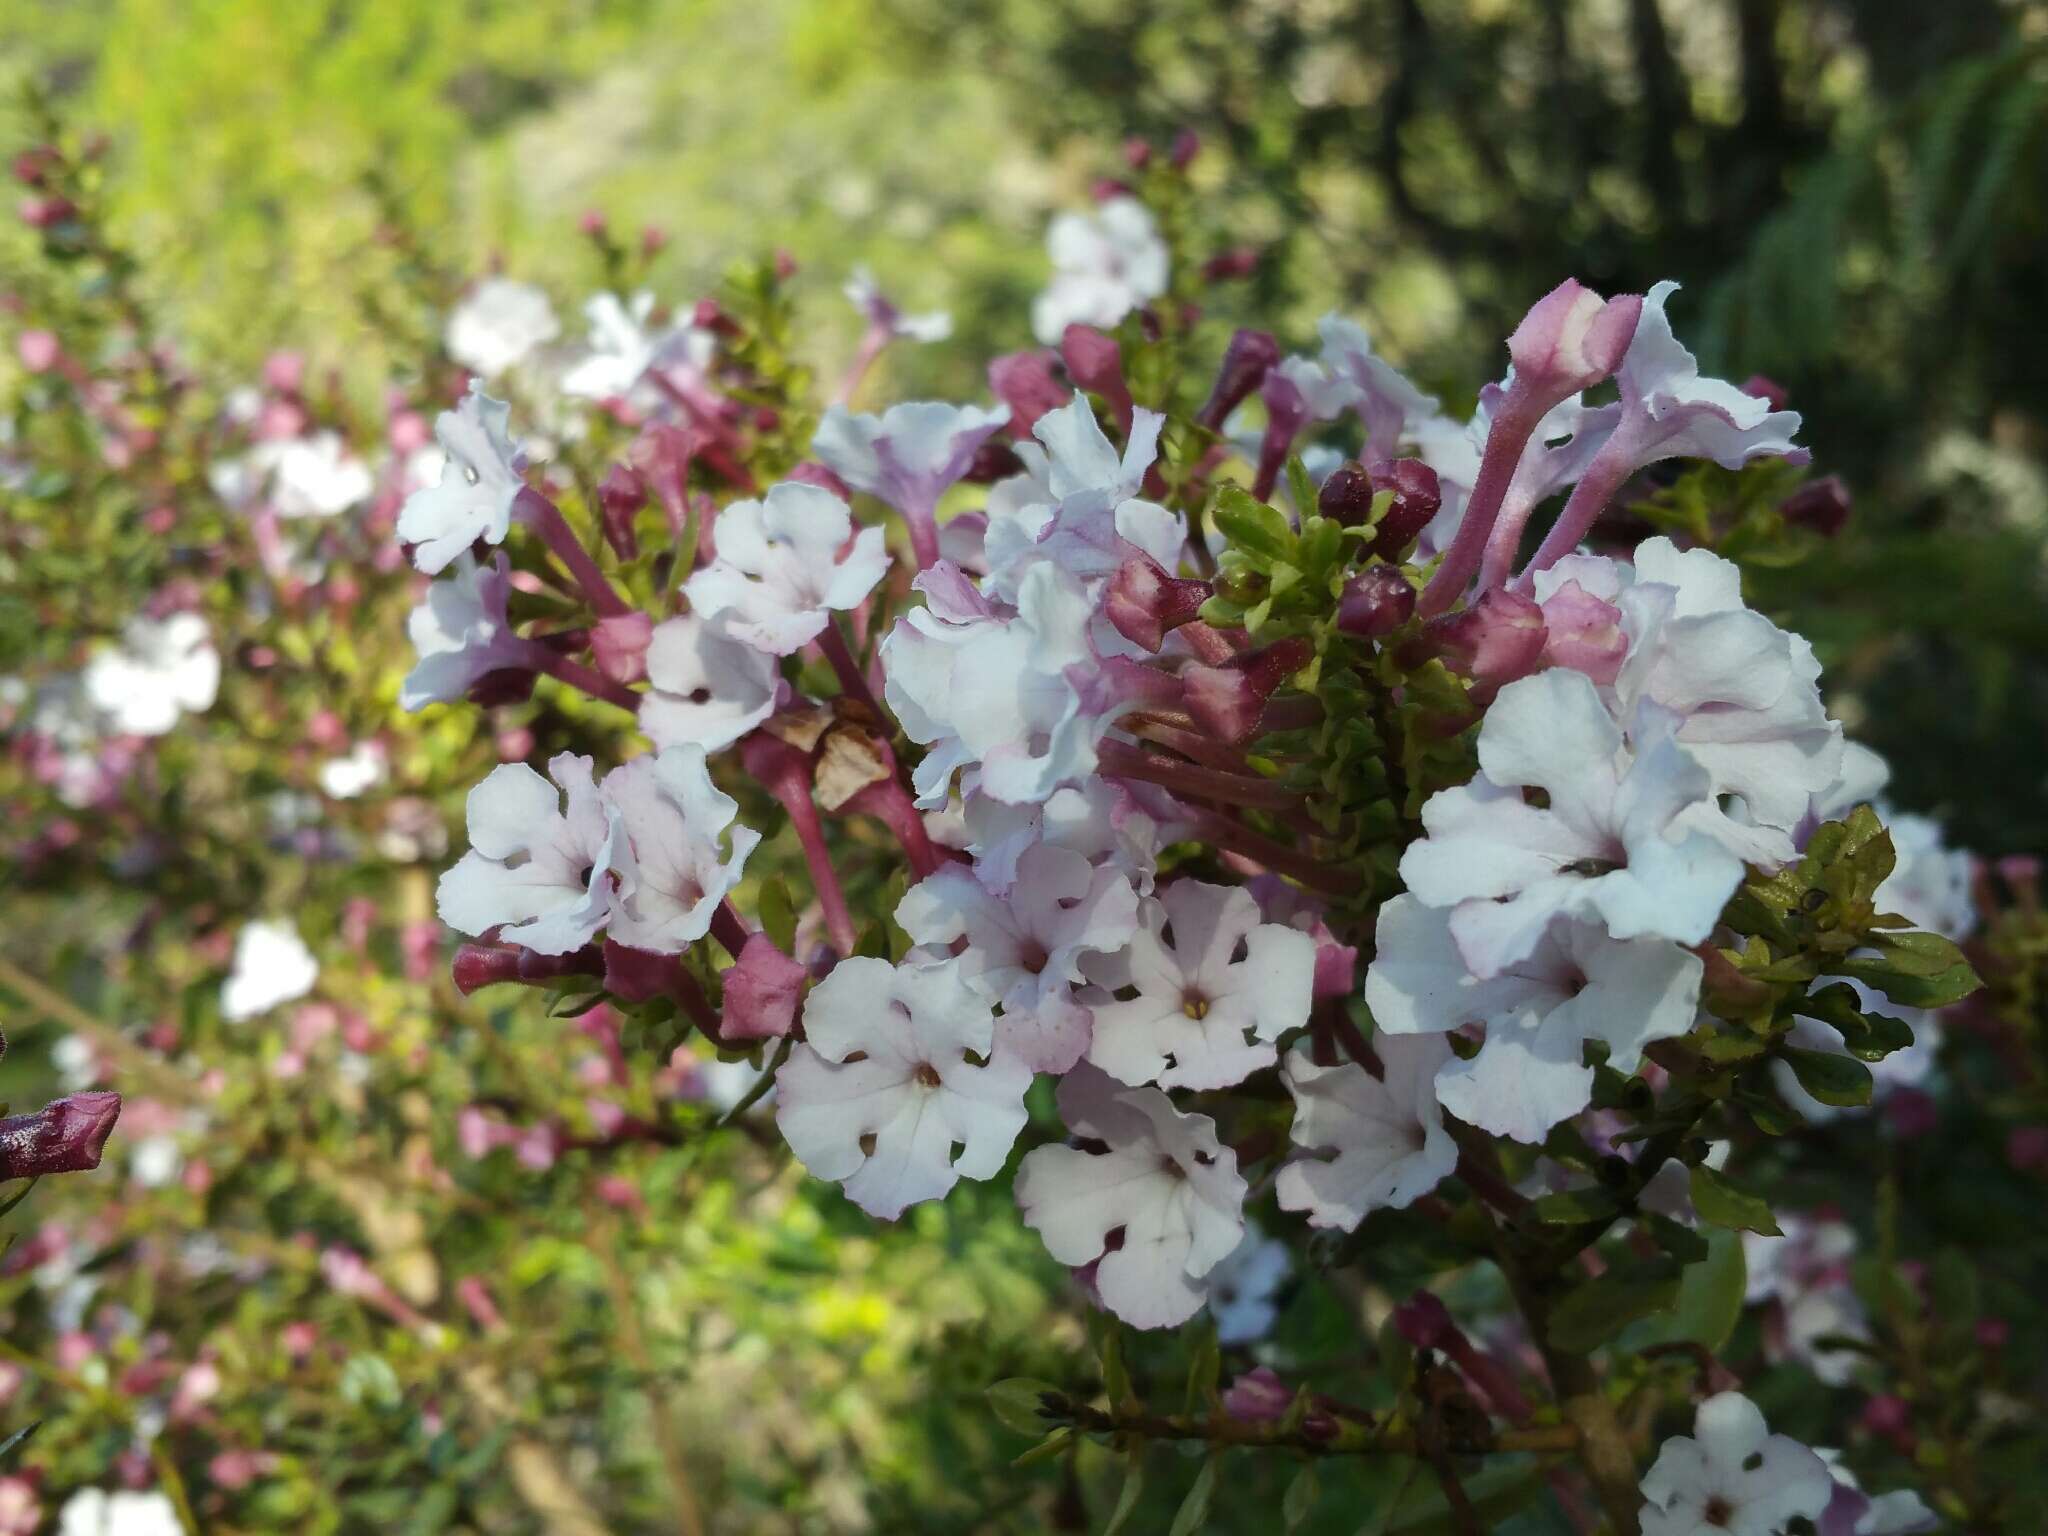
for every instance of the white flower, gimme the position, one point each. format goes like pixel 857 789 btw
pixel 1606 848
pixel 499 325
pixel 1576 985
pixel 909 456
pixel 997 691
pixel 154 1161
pixel 1732 1477
pixel 344 778
pixel 1025 948
pixel 1556 454
pixel 1852 1512
pixel 160 669
pixel 1098 819
pixel 1244 1288
pixel 272 965
pixel 1670 412
pixel 1215 987
pixel 314 476
pixel 783 565
pixel 1389 406
pixel 674 818
pixel 1929 886
pixel 890 1080
pixel 1106 263
pixel 543 876
pixel 865 295
pixel 1158 1209
pixel 1804 1274
pixel 707 688
pixel 95 1512
pixel 1390 1143
pixel 462 633
pixel 480 484
pixel 623 348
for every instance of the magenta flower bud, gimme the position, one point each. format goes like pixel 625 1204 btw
pixel 1186 145
pixel 1821 505
pixel 1286 414
pixel 1346 494
pixel 1096 363
pixel 284 372
pixel 1250 356
pixel 64 1136
pixel 762 989
pixel 39 350
pixel 1571 339
pixel 32 167
pixel 994 460
pixel 1142 602
pixel 1027 384
pixel 1495 641
pixel 1417 498
pixel 1910 1113
pixel 1336 973
pixel 592 224
pixel 1767 388
pixel 653 240
pixel 1137 152
pixel 46 212
pixel 620 496
pixel 1230 699
pixel 1583 633
pixel 1993 1334
pixel 1233 265
pixel 1378 601
pixel 1887 1415
pixel 1424 1321
pixel 2026 1149
pixel 1258 1397
pixel 620 643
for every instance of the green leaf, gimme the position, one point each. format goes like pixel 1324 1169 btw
pixel 1024 1404
pixel 1046 1449
pixel 1841 1081
pixel 1205 1366
pixel 1134 1484
pixel 1116 1377
pixel 1592 1203
pixel 1299 1502
pixel 778 914
pixel 1723 1204
pixel 1608 1303
pixel 1194 1509
pixel 1301 488
pixel 1252 526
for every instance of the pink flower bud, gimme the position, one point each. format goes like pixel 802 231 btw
pixel 21 1510
pixel 1235 264
pixel 1571 339
pixel 1137 152
pixel 1992 1334
pixel 327 731
pixel 620 1193
pixel 1418 496
pixel 1336 973
pixel 1230 699
pixel 1887 1415
pixel 46 212
pixel 620 643
pixel 762 989
pixel 236 1470
pixel 1250 356
pixel 1495 641
pixel 1286 415
pixel 1027 384
pixel 1258 1397
pixel 1766 388
pixel 592 224
pixel 1821 505
pixel 1107 189
pixel 408 432
pixel 34 165
pixel 1143 603
pixel 284 372
pixel 515 745
pixel 1096 363
pixel 483 965
pixel 785 265
pixel 652 240
pixel 1584 633
pixel 538 1149
pixel 476 1300
pixel 64 1136
pixel 298 1339
pixel 1378 601
pixel 1186 145
pixel 2026 1149
pixel 619 500
pixel 39 350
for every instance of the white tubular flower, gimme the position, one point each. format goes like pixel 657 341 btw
pixel 1803 1275
pixel 314 476
pixel 986 688
pixel 1215 986
pixel 360 770
pixel 541 874
pixel 675 820
pixel 1389 406
pixel 1388 1138
pixel 623 348
pixel 1025 948
pixel 160 669
pixel 1557 453
pixel 892 1078
pixel 1155 1212
pixel 784 563
pixel 1670 412
pixel 1852 1512
pixel 1244 1289
pixel 499 325
pixel 462 633
pixel 909 456
pixel 271 966
pixel 1100 820
pixel 1929 886
pixel 1732 1477
pixel 1576 985
pixel 480 482
pixel 707 689
pixel 1105 264
pixel 1609 847
pixel 865 295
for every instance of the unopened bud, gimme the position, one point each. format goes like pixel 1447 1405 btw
pixel 652 239
pixel 1137 152
pixel 1186 145
pixel 1766 388
pixel 762 990
pixel 1417 498
pixel 1583 632
pixel 1233 265
pixel 1822 505
pixel 39 350
pixel 484 965
pixel 1026 383
pixel 1494 642
pixel 65 1136
pixel 1096 363
pixel 1143 603
pixel 1230 699
pixel 620 497
pixel 1571 339
pixel 1246 361
pixel 46 212
pixel 592 224
pixel 619 645
pixel 1346 495
pixel 1378 601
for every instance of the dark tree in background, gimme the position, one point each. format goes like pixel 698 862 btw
pixel 1854 194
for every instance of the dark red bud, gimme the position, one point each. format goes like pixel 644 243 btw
pixel 1137 153
pixel 1346 494
pixel 1495 641
pixel 1096 363
pixel 1378 601
pixel 620 498
pixel 994 460
pixel 1186 145
pixel 1822 505
pixel 1143 603
pixel 65 1136
pixel 1027 384
pixel 1232 265
pixel 708 316
pixel 1417 498
pixel 507 685
pixel 1246 362
pixel 1766 389
pixel 1230 699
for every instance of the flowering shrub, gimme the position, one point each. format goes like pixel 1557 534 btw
pixel 1177 807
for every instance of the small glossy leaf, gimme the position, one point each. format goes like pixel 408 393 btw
pixel 1723 1204
pixel 1608 1303
pixel 1021 1403
pixel 1194 1509
pixel 1841 1081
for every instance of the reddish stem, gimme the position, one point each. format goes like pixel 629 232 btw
pixel 1505 441
pixel 591 681
pixel 545 519
pixel 1121 761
